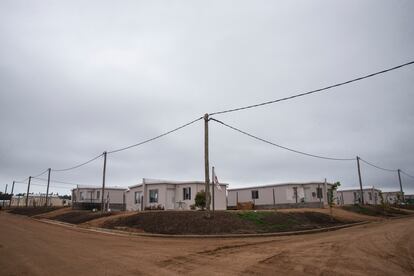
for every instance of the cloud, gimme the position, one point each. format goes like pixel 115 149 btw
pixel 79 78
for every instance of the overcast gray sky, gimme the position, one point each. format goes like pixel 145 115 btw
pixel 81 77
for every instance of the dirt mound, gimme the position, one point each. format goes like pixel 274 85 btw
pixel 32 211
pixel 222 222
pixel 376 211
pixel 78 216
pixel 337 212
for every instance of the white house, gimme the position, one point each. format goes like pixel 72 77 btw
pixel 38 200
pixel 90 197
pixel 170 195
pixel 353 196
pixel 285 195
pixel 392 197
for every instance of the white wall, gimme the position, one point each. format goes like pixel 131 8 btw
pixel 278 194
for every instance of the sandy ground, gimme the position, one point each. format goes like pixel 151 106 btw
pixel 29 247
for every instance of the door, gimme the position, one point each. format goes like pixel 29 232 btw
pixel 170 199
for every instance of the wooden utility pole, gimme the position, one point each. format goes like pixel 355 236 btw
pixel 401 188
pixel 206 162
pixel 103 183
pixel 11 194
pixel 360 182
pixel 48 183
pixel 28 189
pixel 213 186
pixel 5 192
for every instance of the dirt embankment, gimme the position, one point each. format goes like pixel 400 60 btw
pixel 78 216
pixel 31 211
pixel 376 211
pixel 222 222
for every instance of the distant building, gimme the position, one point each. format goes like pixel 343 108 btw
pixel 353 196
pixel 36 200
pixel 90 197
pixel 409 199
pixel 393 197
pixel 170 195
pixel 285 195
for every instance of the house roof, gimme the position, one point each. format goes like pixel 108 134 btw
pixel 98 187
pixel 278 185
pixel 351 189
pixel 151 181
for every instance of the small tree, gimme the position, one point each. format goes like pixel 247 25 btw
pixel 331 196
pixel 200 200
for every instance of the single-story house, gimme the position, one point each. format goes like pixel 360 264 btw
pixel 392 197
pixel 170 195
pixel 90 197
pixel 284 195
pixel 36 200
pixel 353 196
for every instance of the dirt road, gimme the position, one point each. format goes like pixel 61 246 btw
pixel 28 247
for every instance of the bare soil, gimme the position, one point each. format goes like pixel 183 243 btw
pixel 29 247
pixel 222 222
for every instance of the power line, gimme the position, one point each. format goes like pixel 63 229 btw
pixel 58 181
pixel 41 173
pixel 283 147
pixel 77 166
pixel 407 174
pixel 313 91
pixel 378 167
pixel 156 137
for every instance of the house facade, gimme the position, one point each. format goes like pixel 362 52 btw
pixel 90 197
pixel 36 200
pixel 392 197
pixel 353 196
pixel 170 195
pixel 285 195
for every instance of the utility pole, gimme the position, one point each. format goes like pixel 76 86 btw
pixel 11 194
pixel 206 162
pixel 212 186
pixel 48 182
pixel 28 189
pixel 103 183
pixel 360 181
pixel 401 188
pixel 5 192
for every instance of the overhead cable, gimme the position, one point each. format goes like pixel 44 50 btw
pixel 77 166
pixel 58 181
pixel 156 137
pixel 313 91
pixel 407 174
pixel 279 146
pixel 378 167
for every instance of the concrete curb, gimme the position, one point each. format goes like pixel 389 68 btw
pixel 128 234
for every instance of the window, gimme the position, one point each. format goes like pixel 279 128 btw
pixel 138 197
pixel 370 195
pixel 153 196
pixel 81 196
pixel 187 193
pixel 98 194
pixel 255 194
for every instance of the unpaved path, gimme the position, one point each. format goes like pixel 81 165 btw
pixel 29 247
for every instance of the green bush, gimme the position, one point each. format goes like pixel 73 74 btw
pixel 200 200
